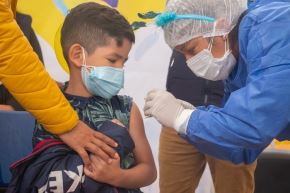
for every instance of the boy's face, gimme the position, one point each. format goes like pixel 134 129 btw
pixel 110 55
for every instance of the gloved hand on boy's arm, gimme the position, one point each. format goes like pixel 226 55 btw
pixel 186 105
pixel 168 110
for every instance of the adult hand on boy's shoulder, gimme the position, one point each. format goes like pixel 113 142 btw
pixel 82 139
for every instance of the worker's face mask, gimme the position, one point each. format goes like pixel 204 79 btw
pixel 205 65
pixel 102 81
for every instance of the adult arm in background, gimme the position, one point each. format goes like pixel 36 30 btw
pixel 24 76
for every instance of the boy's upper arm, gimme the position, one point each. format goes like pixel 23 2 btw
pixel 142 149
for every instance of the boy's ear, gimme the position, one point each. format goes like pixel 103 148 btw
pixel 75 55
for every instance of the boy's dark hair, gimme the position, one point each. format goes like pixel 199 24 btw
pixel 90 25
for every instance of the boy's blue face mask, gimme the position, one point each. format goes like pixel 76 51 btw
pixel 102 81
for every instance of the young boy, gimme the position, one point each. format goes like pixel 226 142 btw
pixel 96 41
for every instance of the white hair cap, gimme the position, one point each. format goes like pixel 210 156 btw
pixel 225 15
